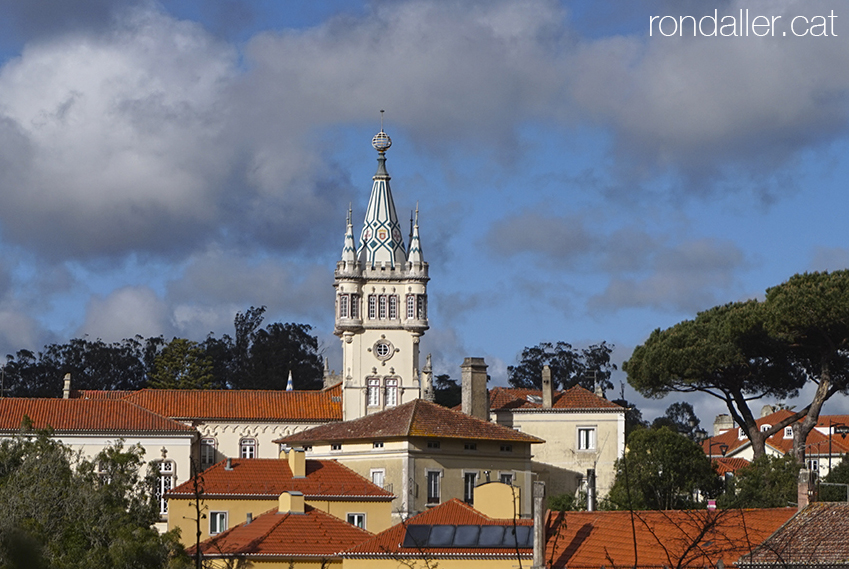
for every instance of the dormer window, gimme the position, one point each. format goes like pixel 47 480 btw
pixel 765 428
pixel 788 432
pixel 741 434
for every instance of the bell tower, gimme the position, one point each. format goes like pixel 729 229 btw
pixel 381 304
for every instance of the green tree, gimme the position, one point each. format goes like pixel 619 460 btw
pixel 61 511
pixel 768 482
pixel 661 470
pixel 182 364
pixel 725 352
pixel 446 391
pixel 633 416
pixel 838 474
pixel 569 366
pixel 680 417
pixel 810 312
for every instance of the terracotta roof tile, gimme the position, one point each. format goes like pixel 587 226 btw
pixel 696 538
pixel 269 477
pixel 814 536
pixel 817 443
pixel 266 405
pixel 418 418
pixel 85 415
pixel 311 534
pixel 98 394
pixel 725 465
pixel 388 543
pixel 575 397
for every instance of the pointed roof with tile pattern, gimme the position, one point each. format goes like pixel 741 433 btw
pixel 418 418
pixel 575 398
pixel 269 477
pixel 85 416
pixel 290 535
pixel 388 543
pixel 672 538
pixel 259 405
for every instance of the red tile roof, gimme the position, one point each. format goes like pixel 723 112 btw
pixel 725 465
pixel 85 415
pixel 695 538
pixel 388 543
pixel 576 398
pixel 270 477
pixel 418 418
pixel 265 405
pixel 816 536
pixel 98 394
pixel 817 443
pixel 311 534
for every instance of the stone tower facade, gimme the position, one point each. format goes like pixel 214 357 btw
pixel 381 304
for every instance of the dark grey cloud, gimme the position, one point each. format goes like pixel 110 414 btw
pixel 553 238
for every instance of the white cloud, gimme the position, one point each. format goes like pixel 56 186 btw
pixel 126 312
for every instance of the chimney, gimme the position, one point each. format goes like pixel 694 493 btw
pixel 723 422
pixel 427 380
pixel 297 462
pixel 539 525
pixel 547 390
pixel 249 519
pixel 803 494
pixel 475 395
pixel 66 391
pixel 291 502
pixel 229 464
pixel 591 489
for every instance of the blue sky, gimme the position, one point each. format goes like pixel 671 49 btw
pixel 164 165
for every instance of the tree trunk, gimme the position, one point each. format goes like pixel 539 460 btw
pixel 800 433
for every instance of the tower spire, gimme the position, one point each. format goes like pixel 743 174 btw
pixel 349 251
pixel 415 256
pixel 381 242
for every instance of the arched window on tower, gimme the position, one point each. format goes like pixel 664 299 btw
pixel 372 306
pixel 411 307
pixel 343 306
pixel 373 392
pixel 393 307
pixel 391 388
pixel 381 307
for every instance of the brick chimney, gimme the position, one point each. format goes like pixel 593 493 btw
pixel 475 394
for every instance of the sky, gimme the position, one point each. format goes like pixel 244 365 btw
pixel 582 172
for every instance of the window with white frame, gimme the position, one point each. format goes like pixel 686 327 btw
pixel 164 482
pixel 469 480
pixel 372 306
pixel 343 306
pixel 765 428
pixel 358 520
pixel 381 307
pixel 411 307
pixel 355 306
pixel 336 446
pixel 788 432
pixel 586 438
pixel 207 453
pixel 393 307
pixel 433 486
pixel 377 444
pixel 812 464
pixel 378 476
pixel 217 522
pixel 373 392
pixel 247 448
pixel 391 398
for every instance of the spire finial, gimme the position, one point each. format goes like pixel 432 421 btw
pixel 417 213
pixel 381 140
pixel 350 212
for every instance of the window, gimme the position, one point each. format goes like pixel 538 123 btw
pixel 377 444
pixel 469 479
pixel 336 446
pixel 393 307
pixel 812 464
pixel 217 522
pixel 586 438
pixel 372 306
pixel 355 306
pixel 391 399
pixel 765 428
pixel 506 478
pixel 381 307
pixel 411 307
pixel 470 446
pixel 433 444
pixel 373 394
pixel 164 483
pixel 788 432
pixel 433 486
pixel 422 306
pixel 358 520
pixel 207 453
pixel 506 448
pixel 378 477
pixel 247 448
pixel 343 306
